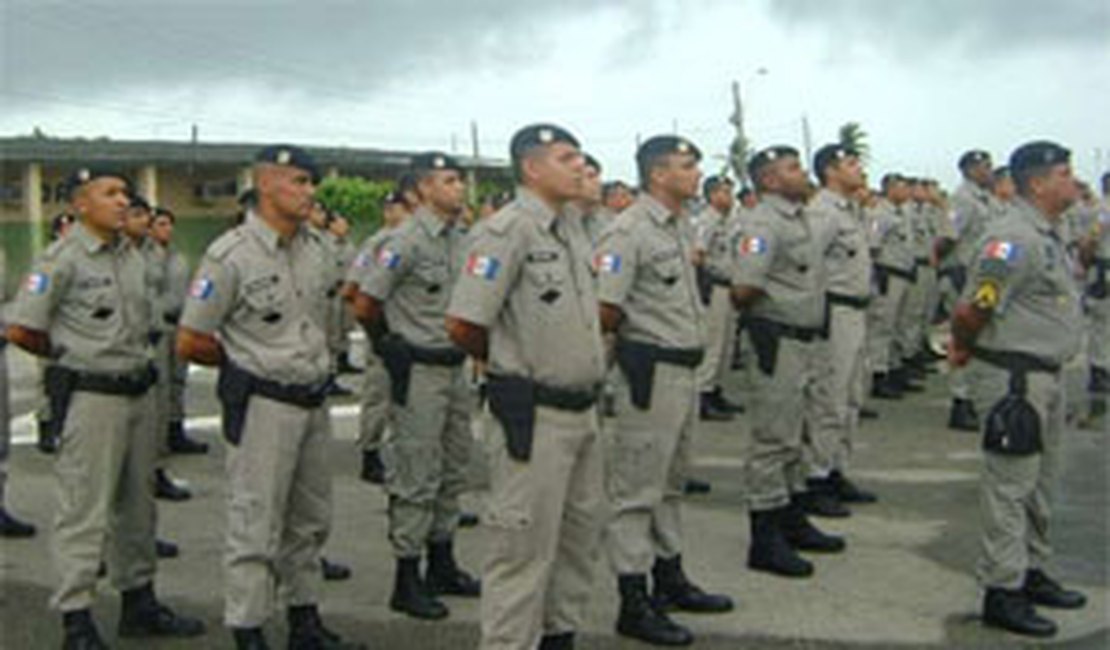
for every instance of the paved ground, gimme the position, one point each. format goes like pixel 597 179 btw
pixel 904 583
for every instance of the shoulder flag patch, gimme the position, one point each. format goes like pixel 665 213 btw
pixel 483 266
pixel 608 263
pixel 202 289
pixel 752 246
pixel 1001 250
pixel 388 259
pixel 362 260
pixel 37 283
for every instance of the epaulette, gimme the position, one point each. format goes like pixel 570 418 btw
pixel 226 243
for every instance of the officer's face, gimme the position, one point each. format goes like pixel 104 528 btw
pixel 982 173
pixel 556 171
pixel 678 175
pixel 721 198
pixel 393 214
pixel 161 230
pixel 288 190
pixel 137 223
pixel 619 199
pixel 787 177
pixel 443 191
pixel 899 192
pixel 1004 188
pixel 848 173
pixel 591 184
pixel 1057 189
pixel 103 203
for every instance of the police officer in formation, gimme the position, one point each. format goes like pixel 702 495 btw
pixel 85 307
pixel 10 525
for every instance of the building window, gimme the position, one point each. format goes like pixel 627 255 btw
pixel 211 191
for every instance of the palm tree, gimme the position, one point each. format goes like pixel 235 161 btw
pixel 854 137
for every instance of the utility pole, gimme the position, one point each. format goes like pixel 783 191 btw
pixel 738 151
pixel 472 173
pixel 807 138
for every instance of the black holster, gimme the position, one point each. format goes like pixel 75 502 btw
pixel 765 337
pixel 234 387
pixel 397 359
pixel 1098 289
pixel 1013 425
pixel 882 280
pixel 705 284
pixel 512 400
pixel 637 363
pixel 58 384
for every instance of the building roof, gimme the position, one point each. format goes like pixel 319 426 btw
pixel 80 151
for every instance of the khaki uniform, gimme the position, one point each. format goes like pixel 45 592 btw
pixel 374 403
pixel 644 268
pixel 919 298
pixel 155 258
pixel 177 283
pixel 89 296
pixel 1098 302
pixel 527 279
pixel 895 238
pixel 340 320
pixel 776 250
pixel 427 455
pixel 1038 314
pixel 720 317
pixel 5 403
pixel 267 300
pixel 839 389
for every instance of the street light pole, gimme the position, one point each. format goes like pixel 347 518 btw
pixel 740 144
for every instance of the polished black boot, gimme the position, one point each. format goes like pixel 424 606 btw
pixel 165 488
pixel 165 549
pixel 962 416
pixel 882 388
pixel 181 443
pixel 564 641
pixel 48 439
pixel 334 571
pixel 1012 610
pixel 770 551
pixel 411 596
pixel 14 528
pixel 444 577
pixel 640 619
pixel 1100 381
pixel 696 486
pixel 803 535
pixel 710 412
pixel 249 638
pixel 722 403
pixel 822 500
pixel 848 491
pixel 900 379
pixel 81 632
pixel 1046 592
pixel 307 631
pixel 373 470
pixel 672 589
pixel 142 615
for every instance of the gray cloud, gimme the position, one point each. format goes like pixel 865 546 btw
pixel 910 28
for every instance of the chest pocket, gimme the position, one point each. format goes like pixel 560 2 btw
pixel 431 276
pixel 96 297
pixel 797 254
pixel 266 298
pixel 546 275
pixel 665 266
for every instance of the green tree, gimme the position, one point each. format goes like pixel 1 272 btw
pixel 358 199
pixel 854 137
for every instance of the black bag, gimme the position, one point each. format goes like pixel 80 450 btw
pixel 1013 425
pixel 512 400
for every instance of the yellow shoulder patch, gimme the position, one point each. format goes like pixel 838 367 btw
pixel 987 295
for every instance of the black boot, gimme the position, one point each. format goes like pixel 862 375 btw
pixel 962 416
pixel 882 388
pixel 696 486
pixel 848 491
pixel 673 589
pixel 468 520
pixel 770 551
pixel 640 619
pixel 710 412
pixel 564 641
pixel 142 615
pixel 868 414
pixel 307 631
pixel 80 632
pixel 803 535
pixel 900 379
pixel 334 571
pixel 444 575
pixel 1100 381
pixel 12 527
pixel 48 439
pixel 822 500
pixel 1012 610
pixel 249 638
pixel 344 366
pixel 181 443
pixel 373 471
pixel 165 549
pixel 1044 591
pixel 164 488
pixel 723 403
pixel 411 596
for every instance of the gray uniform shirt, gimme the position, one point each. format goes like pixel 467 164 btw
pixel 845 245
pixel 973 208
pixel 776 250
pixel 713 240
pixel 644 268
pixel 91 297
pixel 414 273
pixel 1024 261
pixel 266 300
pixel 896 237
pixel 366 257
pixel 527 279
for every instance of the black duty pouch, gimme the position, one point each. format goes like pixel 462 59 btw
pixel 397 359
pixel 882 280
pixel 765 339
pixel 234 387
pixel 1013 425
pixel 637 363
pixel 512 400
pixel 1098 289
pixel 58 384
pixel 705 285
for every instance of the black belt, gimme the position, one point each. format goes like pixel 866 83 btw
pixel 909 276
pixel 307 396
pixel 566 399
pixel 861 302
pixel 1015 361
pixel 129 384
pixel 437 356
pixel 685 357
pixel 804 334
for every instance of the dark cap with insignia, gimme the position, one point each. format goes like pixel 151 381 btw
pixel 767 156
pixel 538 135
pixel 89 174
pixel 592 162
pixel 288 155
pixel 139 202
pixel 658 146
pixel 831 154
pixel 711 184
pixel 434 161
pixel 972 158
pixel 1038 154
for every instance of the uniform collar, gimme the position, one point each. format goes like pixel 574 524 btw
pixel 782 206
pixel 536 207
pixel 656 210
pixel 430 222
pixel 980 193
pixel 825 196
pixel 91 242
pixel 266 235
pixel 713 213
pixel 1032 215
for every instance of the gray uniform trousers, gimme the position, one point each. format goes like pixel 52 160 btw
pixel 720 322
pixel 544 518
pixel 106 509
pixel 1098 341
pixel 890 309
pixel 374 404
pixel 1016 492
pixel 647 466
pixel 279 510
pixel 838 389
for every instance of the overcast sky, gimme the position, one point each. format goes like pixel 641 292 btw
pixel 927 79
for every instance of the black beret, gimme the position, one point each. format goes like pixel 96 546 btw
pixel 973 157
pixel 829 154
pixel 433 161
pixel 662 145
pixel 767 156
pixel 711 184
pixel 139 202
pixel 289 155
pixel 1038 154
pixel 89 174
pixel 1001 172
pixel 592 162
pixel 537 135
pixel 161 211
